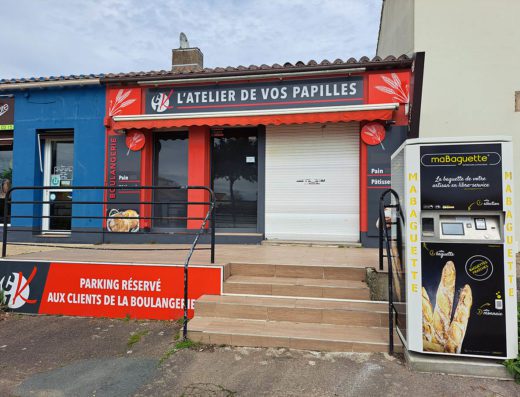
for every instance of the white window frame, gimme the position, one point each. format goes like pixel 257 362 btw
pixel 47 172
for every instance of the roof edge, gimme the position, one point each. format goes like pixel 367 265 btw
pixel 376 63
pixel 23 85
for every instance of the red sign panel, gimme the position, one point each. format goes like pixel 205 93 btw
pixel 373 134
pixel 102 290
pixel 123 101
pixel 135 140
pixel 391 87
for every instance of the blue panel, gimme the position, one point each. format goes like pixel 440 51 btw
pixel 81 109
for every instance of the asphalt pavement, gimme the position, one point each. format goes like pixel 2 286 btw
pixel 66 356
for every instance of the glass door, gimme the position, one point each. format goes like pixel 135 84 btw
pixel 235 178
pixel 58 172
pixel 6 173
pixel 171 169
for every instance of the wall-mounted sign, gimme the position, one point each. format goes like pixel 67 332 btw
pixel 55 180
pixel 124 171
pixel 135 140
pixel 6 114
pixel 379 172
pixel 373 134
pixel 262 95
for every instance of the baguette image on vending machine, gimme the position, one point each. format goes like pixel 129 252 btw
pixel 455 273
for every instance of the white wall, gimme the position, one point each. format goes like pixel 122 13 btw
pixel 396 30
pixel 472 69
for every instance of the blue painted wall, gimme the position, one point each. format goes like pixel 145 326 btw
pixel 81 109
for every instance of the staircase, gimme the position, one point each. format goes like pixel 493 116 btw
pixel 310 307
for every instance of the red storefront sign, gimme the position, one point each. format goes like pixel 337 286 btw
pixel 373 133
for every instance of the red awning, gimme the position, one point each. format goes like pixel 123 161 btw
pixel 301 118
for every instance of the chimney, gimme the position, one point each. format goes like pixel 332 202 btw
pixel 186 57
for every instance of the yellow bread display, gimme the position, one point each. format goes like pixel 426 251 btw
pixel 459 324
pixel 427 316
pixel 444 304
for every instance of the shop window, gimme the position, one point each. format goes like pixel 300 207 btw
pixel 171 169
pixel 235 178
pixel 6 173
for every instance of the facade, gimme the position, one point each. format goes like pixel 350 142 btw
pixel 58 141
pixel 471 75
pixel 292 152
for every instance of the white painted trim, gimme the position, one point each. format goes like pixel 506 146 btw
pixel 262 112
pixel 47 182
pixel 251 76
pixel 47 150
pixel 54 83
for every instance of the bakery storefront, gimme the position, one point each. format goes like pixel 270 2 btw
pixel 293 152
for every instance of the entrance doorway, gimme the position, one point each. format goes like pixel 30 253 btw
pixel 58 172
pixel 171 169
pixel 235 178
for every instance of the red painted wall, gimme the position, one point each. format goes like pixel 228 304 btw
pixel 198 172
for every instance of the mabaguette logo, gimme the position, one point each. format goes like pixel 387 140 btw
pixel 17 289
pixel 461 159
pixel 440 253
pixel 161 102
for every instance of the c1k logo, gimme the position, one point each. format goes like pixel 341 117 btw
pixel 3 109
pixel 161 102
pixel 16 289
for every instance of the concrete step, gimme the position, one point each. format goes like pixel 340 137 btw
pixel 346 272
pixel 340 312
pixel 307 336
pixel 461 366
pixel 312 243
pixel 293 286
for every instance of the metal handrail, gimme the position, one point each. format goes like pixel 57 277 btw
pixel 190 253
pixel 384 240
pixel 210 216
pixel 9 201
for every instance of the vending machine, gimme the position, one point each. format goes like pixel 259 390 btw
pixel 455 267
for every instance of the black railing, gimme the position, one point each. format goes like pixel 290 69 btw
pixel 386 224
pixel 110 218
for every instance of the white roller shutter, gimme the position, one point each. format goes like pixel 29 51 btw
pixel 312 182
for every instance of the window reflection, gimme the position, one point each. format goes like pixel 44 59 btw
pixel 6 173
pixel 235 175
pixel 171 162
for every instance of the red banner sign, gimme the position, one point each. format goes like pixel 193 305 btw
pixel 102 290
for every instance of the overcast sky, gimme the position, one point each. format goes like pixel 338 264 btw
pixel 55 37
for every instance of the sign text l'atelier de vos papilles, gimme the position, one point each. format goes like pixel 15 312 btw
pixel 280 94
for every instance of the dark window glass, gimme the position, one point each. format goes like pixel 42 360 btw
pixel 171 162
pixel 235 178
pixel 60 212
pixel 62 159
pixel 6 173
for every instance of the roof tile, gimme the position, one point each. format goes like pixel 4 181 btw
pixel 179 72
